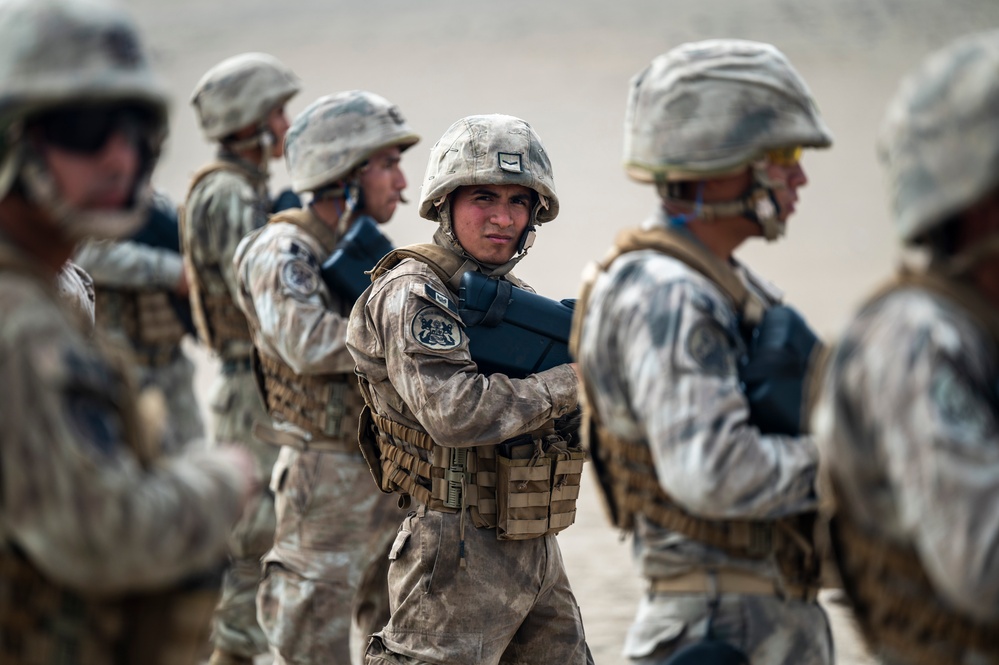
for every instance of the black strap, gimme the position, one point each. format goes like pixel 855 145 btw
pixel 493 316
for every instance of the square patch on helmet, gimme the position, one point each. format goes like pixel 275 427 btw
pixel 511 161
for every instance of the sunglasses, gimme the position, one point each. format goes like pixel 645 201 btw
pixel 784 156
pixel 86 129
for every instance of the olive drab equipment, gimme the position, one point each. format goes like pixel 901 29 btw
pixel 626 470
pixel 524 488
pixel 895 603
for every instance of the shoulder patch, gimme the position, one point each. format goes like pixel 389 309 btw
pixel 441 299
pixel 956 405
pixel 435 330
pixel 299 277
pixel 706 345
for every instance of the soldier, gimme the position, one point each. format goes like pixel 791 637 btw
pixel 476 575
pixel 142 299
pixel 94 534
pixel 720 500
pixel 241 105
pixel 908 422
pixel 333 528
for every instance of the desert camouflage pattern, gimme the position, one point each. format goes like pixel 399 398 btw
pixel 933 169
pixel 679 122
pixel 337 133
pixel 220 210
pixel 907 426
pixel 414 352
pixel 76 288
pixel 132 266
pixel 489 150
pixel 79 501
pixel 57 52
pixel 659 349
pixel 326 570
pixel 240 91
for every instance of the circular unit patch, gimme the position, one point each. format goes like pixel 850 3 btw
pixel 299 277
pixel 435 330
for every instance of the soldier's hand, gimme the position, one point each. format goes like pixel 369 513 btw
pixel 182 287
pixel 243 461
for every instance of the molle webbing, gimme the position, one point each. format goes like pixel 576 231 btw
pixel 895 604
pixel 325 405
pixel 447 265
pixel 218 319
pixel 312 225
pixel 42 623
pixel 636 489
pixel 147 318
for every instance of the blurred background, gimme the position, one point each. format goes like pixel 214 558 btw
pixel 564 67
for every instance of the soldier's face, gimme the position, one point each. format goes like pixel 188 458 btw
pixel 489 219
pixel 789 177
pixel 93 170
pixel 383 182
pixel 277 125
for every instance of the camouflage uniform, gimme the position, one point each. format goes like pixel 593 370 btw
pixel 458 594
pixel 128 272
pixel 225 204
pixel 90 525
pixel 333 527
pixel 77 289
pixel 907 421
pixel 659 345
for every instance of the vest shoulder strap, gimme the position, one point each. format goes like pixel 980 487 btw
pixel 306 220
pixel 447 265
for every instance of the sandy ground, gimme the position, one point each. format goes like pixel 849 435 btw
pixel 565 66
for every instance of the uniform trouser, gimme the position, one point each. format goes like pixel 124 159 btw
pixel 770 631
pixel 510 603
pixel 236 406
pixel 325 589
pixel 175 380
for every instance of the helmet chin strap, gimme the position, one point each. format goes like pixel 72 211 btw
pixel 758 205
pixel 43 192
pixel 446 237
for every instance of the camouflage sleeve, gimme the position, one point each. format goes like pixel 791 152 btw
pixel 428 363
pixel 75 499
pixel 294 308
pixel 232 210
pixel 674 342
pixel 130 264
pixel 922 383
pixel 76 288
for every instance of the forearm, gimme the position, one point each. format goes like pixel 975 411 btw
pixel 130 265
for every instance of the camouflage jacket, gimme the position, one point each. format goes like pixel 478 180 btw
pixel 220 210
pixel 77 289
pixel 660 345
pixel 414 352
pixel 76 498
pixel 130 265
pixel 908 428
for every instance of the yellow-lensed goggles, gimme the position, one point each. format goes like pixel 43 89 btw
pixel 784 156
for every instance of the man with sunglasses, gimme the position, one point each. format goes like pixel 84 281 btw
pixel 716 483
pixel 96 530
pixel 334 529
pixel 141 295
pixel 240 105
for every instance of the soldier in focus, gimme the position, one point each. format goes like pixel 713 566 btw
pixel 330 556
pixel 240 104
pixel 908 421
pixel 721 505
pixel 476 575
pixel 142 300
pixel 95 533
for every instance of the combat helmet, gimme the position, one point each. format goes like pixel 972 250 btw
pixel 58 56
pixel 489 150
pixel 939 141
pixel 239 92
pixel 709 109
pixel 336 134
